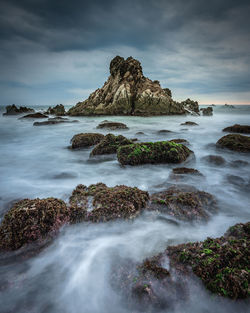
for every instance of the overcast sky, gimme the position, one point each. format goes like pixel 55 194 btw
pixel 59 51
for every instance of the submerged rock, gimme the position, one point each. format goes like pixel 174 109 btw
pixel 235 142
pixel 184 203
pixel 58 110
pixel 32 221
pixel 109 144
pixel 54 122
pixel 128 92
pixel 179 140
pixel 35 115
pixel 112 125
pixel 214 159
pixel 163 131
pixel 13 110
pixel 99 203
pixel 207 111
pixel 189 123
pixel 244 129
pixel 153 153
pixel 186 170
pixel 85 140
pixel 238 163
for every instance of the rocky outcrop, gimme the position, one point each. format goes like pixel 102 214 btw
pixel 128 92
pixel 109 144
pixel 30 221
pixel 58 110
pixel 207 111
pixel 112 125
pixel 191 106
pixel 13 110
pixel 244 129
pixel 84 140
pixel 235 142
pixel 99 203
pixel 184 203
pixel 153 153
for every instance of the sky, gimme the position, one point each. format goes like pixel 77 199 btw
pixel 59 51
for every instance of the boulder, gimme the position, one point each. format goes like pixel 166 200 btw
pixel 153 153
pixel 34 115
pixel 186 170
pixel 109 144
pixel 112 125
pixel 58 110
pixel 236 128
pixel 30 221
pixel 207 111
pixel 214 159
pixel 189 123
pixel 13 110
pixel 85 140
pixel 128 92
pixel 235 142
pixel 99 203
pixel 184 203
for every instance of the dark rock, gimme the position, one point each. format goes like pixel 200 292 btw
pixel 54 122
pixel 58 110
pixel 168 92
pixel 207 111
pixel 128 92
pixel 140 133
pixel 244 129
pixel 235 142
pixel 191 106
pixel 163 131
pixel 184 203
pixel 189 123
pixel 85 140
pixel 32 221
pixel 153 153
pixel 34 115
pixel 239 163
pixel 179 140
pixel 112 125
pixel 65 175
pixel 109 144
pixel 186 170
pixel 13 110
pixel 214 159
pixel 99 203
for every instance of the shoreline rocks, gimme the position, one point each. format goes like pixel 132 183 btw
pixel 236 128
pixel 14 110
pixel 57 110
pixel 207 111
pixel 152 153
pixel 235 142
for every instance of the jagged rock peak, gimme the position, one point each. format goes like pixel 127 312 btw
pixel 125 67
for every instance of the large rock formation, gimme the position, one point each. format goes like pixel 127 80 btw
pixel 128 92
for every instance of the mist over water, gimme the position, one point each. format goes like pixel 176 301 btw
pixel 73 274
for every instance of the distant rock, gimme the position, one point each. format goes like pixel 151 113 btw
pixel 54 122
pixel 235 142
pixel 244 129
pixel 85 140
pixel 13 110
pixel 34 115
pixel 153 153
pixel 128 92
pixel 109 144
pixel 207 111
pixel 58 110
pixel 191 106
pixel 214 159
pixel 189 123
pixel 112 125
pixel 229 106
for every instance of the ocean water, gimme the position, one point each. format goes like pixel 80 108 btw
pixel 72 274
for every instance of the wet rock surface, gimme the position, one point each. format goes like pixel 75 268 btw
pixel 244 129
pixel 58 110
pixel 235 142
pixel 112 125
pixel 85 140
pixel 184 203
pixel 128 92
pixel 99 203
pixel 109 144
pixel 186 170
pixel 189 123
pixel 153 153
pixel 31 221
pixel 13 110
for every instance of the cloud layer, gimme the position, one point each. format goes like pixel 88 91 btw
pixel 59 51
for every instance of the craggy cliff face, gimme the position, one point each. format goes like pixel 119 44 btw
pixel 128 92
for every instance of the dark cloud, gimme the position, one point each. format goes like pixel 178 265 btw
pixel 198 45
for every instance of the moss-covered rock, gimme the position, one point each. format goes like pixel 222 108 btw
pixel 13 110
pixel 184 203
pixel 112 125
pixel 244 129
pixel 222 263
pixel 99 203
pixel 152 152
pixel 235 142
pixel 109 144
pixel 58 110
pixel 32 221
pixel 85 140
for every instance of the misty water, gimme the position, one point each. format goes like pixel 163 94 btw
pixel 72 275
